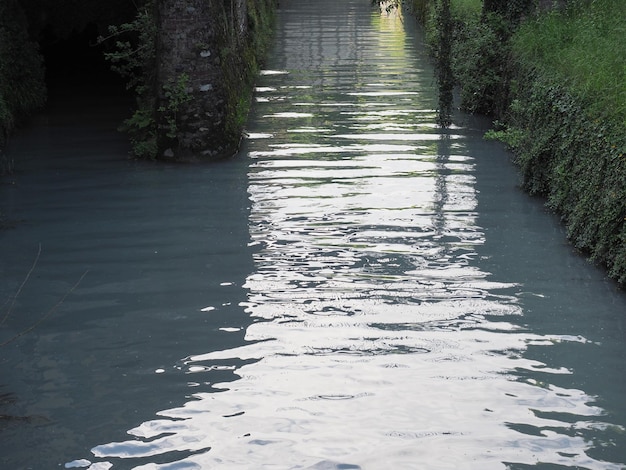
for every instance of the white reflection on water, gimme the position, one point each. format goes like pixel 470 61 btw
pixel 377 341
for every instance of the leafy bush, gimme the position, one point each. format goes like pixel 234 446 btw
pixel 480 51
pixel 480 63
pixel 133 56
pixel 578 161
pixel 569 116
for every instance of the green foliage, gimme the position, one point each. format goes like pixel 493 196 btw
pixel 512 11
pixel 445 76
pixel 240 62
pixel 568 120
pixel 141 128
pixel 22 85
pixel 133 55
pixel 503 132
pixel 479 50
pixel 578 161
pixel 421 9
pixel 176 94
pixel 481 57
pixel 466 10
pixel 582 47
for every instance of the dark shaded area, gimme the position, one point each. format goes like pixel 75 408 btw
pixel 67 32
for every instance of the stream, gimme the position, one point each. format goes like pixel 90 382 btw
pixel 356 289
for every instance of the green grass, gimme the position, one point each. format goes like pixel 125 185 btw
pixel 556 82
pixel 461 9
pixel 466 9
pixel 567 122
pixel 583 48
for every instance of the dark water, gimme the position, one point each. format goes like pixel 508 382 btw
pixel 357 289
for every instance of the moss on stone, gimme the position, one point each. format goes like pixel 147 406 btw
pixel 241 64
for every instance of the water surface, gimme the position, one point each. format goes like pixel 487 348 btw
pixel 357 289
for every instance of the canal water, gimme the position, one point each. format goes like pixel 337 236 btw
pixel 357 289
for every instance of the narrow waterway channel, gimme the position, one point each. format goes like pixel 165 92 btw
pixel 357 289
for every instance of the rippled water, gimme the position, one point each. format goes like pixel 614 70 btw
pixel 358 289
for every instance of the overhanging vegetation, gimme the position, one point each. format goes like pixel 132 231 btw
pixel 554 80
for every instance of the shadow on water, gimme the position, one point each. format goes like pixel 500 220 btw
pixel 166 252
pixel 578 354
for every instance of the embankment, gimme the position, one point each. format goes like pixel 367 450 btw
pixel 553 77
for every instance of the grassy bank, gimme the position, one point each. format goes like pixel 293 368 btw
pixel 567 124
pixel 554 80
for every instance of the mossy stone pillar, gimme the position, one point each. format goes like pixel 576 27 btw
pixel 191 101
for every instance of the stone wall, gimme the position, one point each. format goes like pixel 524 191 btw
pixel 191 100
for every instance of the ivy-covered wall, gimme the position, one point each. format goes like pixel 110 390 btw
pixel 567 122
pixel 578 162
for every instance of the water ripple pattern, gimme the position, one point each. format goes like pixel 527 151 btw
pixel 378 340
